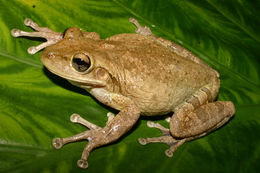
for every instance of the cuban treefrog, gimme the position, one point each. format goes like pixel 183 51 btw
pixel 137 74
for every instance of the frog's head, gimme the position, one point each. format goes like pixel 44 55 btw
pixel 78 59
pixel 77 56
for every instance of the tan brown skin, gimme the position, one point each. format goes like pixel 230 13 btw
pixel 137 74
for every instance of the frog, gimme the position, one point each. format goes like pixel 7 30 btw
pixel 137 74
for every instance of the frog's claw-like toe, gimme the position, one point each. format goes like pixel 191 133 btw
pixel 51 36
pixel 165 138
pixel 82 163
pixel 143 30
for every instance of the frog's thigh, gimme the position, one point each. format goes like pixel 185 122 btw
pixel 200 121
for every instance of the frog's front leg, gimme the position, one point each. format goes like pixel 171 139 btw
pixel 193 119
pixel 97 136
pixel 51 36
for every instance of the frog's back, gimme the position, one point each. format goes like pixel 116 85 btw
pixel 155 77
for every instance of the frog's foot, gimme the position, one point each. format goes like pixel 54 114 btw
pixel 142 30
pixel 90 135
pixel 97 136
pixel 51 36
pixel 165 138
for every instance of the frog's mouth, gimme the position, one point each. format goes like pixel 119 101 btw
pixel 85 83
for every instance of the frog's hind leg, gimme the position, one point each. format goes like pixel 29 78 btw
pixel 165 138
pixel 194 118
pixel 143 30
pixel 202 120
pixel 196 124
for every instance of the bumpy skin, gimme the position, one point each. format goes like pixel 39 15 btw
pixel 136 74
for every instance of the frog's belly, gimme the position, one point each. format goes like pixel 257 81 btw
pixel 163 101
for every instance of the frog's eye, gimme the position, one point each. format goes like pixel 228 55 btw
pixel 81 62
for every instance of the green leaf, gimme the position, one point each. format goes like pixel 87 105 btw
pixel 35 105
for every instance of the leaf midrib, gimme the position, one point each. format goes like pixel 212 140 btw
pixel 21 60
pixel 23 149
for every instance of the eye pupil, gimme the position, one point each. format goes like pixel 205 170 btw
pixel 81 62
